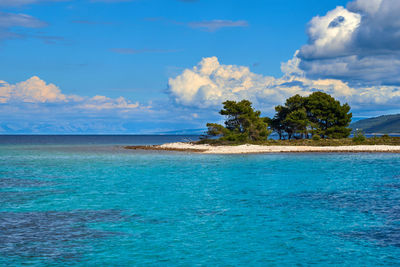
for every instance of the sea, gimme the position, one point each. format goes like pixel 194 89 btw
pixel 87 201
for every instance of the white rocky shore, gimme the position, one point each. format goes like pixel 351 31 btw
pixel 249 149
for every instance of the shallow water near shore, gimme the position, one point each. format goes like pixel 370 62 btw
pixel 86 204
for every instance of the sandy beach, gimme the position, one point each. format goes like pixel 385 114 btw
pixel 252 149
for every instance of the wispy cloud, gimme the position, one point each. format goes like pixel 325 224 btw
pixel 110 1
pixel 12 25
pixel 16 3
pixel 131 51
pixel 8 21
pixel 49 39
pixel 208 25
pixel 91 22
pixel 214 25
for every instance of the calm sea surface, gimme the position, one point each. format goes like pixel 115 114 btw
pixel 85 201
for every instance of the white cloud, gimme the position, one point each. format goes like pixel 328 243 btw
pixel 35 90
pixel 100 102
pixel 359 44
pixel 4 92
pixel 370 6
pixel 379 31
pixel 291 67
pixel 210 83
pixel 331 34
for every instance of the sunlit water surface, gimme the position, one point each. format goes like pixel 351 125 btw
pixel 102 205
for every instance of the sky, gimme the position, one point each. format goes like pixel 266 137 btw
pixel 158 66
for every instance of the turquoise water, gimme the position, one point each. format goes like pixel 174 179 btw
pixel 84 205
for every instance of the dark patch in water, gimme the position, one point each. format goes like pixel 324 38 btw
pixel 207 213
pixel 385 203
pixel 380 236
pixel 394 186
pixel 381 203
pixel 53 235
pixel 145 220
pixel 24 183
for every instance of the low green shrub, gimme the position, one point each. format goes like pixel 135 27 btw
pixel 316 137
pixel 359 136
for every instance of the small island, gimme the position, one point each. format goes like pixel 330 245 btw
pixel 314 123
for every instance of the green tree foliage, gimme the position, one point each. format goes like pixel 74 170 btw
pixel 331 118
pixel 298 122
pixel 291 118
pixel 318 114
pixel 215 129
pixel 277 123
pixel 242 123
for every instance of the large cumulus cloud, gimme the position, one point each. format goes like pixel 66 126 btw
pixel 36 91
pixel 210 83
pixel 359 44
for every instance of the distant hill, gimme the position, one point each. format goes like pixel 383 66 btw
pixel 385 124
pixel 184 132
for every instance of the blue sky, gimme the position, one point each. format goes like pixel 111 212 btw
pixel 145 66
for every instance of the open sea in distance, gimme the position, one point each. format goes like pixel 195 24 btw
pixel 86 201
